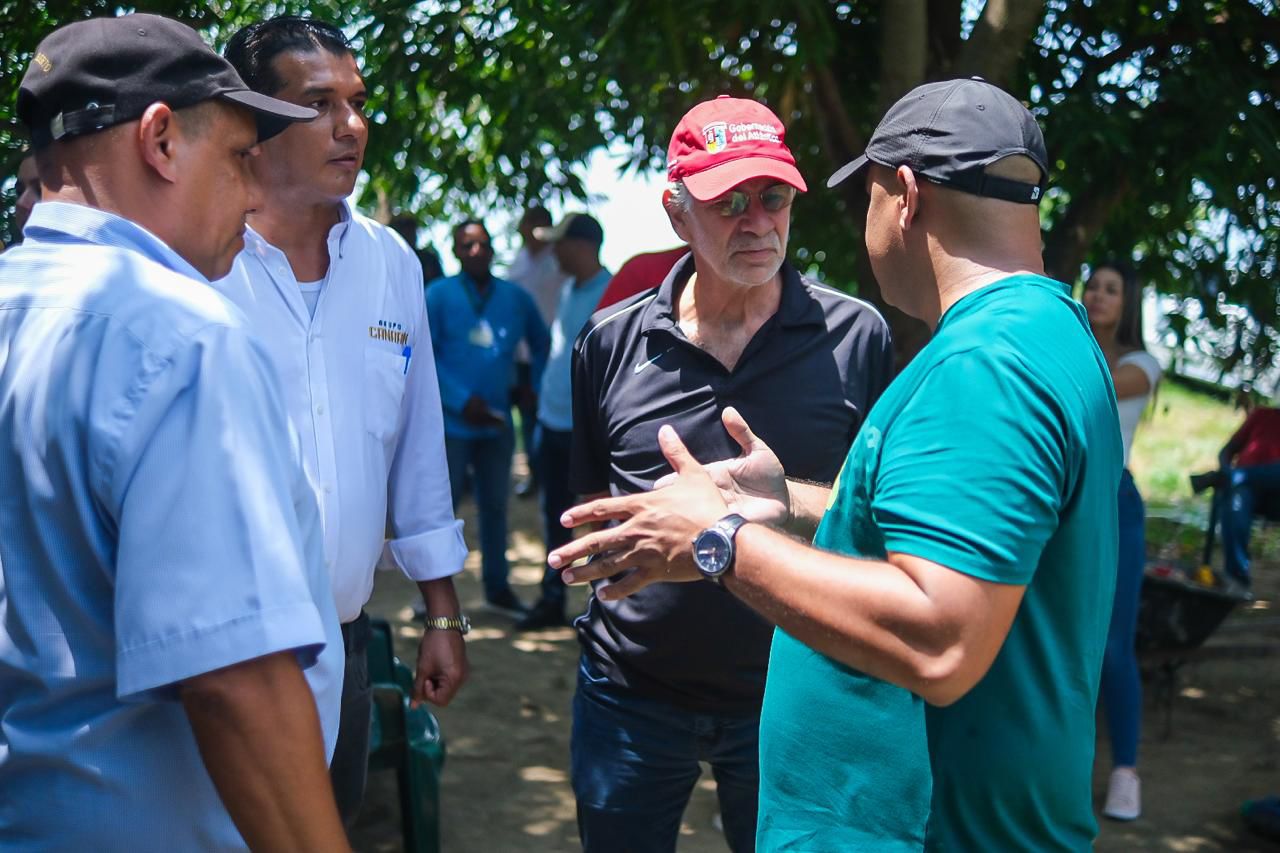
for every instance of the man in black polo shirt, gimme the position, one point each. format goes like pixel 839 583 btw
pixel 675 673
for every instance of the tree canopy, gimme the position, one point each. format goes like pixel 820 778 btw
pixel 1161 117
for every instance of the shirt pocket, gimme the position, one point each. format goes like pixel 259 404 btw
pixel 384 377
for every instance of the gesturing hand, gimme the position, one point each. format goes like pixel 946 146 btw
pixel 655 539
pixel 753 485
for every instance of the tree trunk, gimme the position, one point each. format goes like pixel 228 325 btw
pixel 903 27
pixel 998 39
pixel 1067 244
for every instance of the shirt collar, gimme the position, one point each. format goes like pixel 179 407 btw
pixel 602 276
pixel 337 234
pixel 56 221
pixel 796 307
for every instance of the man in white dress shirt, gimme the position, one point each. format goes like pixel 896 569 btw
pixel 337 301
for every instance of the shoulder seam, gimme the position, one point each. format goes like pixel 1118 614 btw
pixel 615 315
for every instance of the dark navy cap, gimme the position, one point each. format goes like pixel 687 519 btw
pixel 94 74
pixel 949 132
pixel 575 226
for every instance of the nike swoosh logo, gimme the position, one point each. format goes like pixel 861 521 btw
pixel 642 365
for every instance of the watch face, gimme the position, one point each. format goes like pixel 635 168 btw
pixel 712 551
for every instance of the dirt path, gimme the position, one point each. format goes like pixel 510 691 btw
pixel 506 785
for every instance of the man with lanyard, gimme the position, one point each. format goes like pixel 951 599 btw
pixel 676 675
pixel 337 301
pixel 981 488
pixel 477 320
pixel 576 243
pixel 160 573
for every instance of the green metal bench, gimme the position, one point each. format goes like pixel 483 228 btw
pixel 407 740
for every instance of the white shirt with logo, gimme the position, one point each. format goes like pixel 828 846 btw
pixel 360 386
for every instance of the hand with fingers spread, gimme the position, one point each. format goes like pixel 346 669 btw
pixel 754 484
pixel 654 541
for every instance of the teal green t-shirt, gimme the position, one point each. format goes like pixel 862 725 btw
pixel 996 453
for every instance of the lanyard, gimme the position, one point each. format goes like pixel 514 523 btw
pixel 477 301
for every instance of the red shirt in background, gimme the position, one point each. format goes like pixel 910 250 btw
pixel 640 273
pixel 1258 438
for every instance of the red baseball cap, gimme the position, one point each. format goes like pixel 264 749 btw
pixel 721 143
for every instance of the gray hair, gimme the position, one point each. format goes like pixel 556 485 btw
pixel 681 199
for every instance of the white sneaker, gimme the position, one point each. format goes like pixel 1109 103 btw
pixel 1124 795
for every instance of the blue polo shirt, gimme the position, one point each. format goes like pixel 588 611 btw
pixel 157 526
pixel 474 338
pixel 995 453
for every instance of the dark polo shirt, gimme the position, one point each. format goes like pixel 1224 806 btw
pixel 804 383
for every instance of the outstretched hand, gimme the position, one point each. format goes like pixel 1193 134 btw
pixel 654 541
pixel 754 484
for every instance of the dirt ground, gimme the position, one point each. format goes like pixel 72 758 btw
pixel 506 784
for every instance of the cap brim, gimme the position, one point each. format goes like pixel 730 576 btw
pixel 552 233
pixel 271 114
pixel 848 170
pixel 718 180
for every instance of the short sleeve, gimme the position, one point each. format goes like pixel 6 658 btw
pixel 206 496
pixel 972 473
pixel 1146 362
pixel 588 456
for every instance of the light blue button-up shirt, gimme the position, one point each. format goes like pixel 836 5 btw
pixel 577 303
pixel 157 525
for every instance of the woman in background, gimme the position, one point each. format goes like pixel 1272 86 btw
pixel 1113 301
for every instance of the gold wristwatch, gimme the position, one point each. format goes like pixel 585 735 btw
pixel 443 623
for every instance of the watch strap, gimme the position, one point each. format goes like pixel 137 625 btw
pixel 729 526
pixel 459 623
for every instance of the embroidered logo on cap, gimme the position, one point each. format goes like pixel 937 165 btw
pixel 716 136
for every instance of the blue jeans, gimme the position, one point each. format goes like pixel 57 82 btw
pixel 552 451
pixel 635 761
pixel 1121 691
pixel 1246 486
pixel 488 460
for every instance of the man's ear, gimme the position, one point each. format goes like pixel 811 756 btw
pixel 676 215
pixel 910 208
pixel 158 140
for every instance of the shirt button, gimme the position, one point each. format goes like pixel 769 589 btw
pixel 328 490
pixel 319 410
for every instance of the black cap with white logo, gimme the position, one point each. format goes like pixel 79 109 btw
pixel 94 74
pixel 949 132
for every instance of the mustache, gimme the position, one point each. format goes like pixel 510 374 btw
pixel 754 244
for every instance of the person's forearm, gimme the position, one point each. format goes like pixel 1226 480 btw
pixel 440 597
pixel 867 614
pixel 808 502
pixel 259 735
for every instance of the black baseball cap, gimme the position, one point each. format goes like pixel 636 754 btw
pixel 94 74
pixel 949 132
pixel 579 226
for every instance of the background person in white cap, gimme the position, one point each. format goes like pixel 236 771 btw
pixel 675 674
pixel 949 625
pixel 161 579
pixel 575 243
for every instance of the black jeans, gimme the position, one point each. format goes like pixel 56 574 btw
pixel 350 766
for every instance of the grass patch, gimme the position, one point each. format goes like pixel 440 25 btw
pixel 1181 435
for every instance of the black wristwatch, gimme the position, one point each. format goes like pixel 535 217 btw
pixel 713 549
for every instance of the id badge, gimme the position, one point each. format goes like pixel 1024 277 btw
pixel 481 334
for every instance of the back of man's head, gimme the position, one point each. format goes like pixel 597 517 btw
pixel 253 49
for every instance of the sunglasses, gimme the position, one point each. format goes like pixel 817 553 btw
pixel 736 202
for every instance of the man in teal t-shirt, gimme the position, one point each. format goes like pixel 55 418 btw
pixel 935 669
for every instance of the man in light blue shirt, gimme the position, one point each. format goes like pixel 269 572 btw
pixel 576 242
pixel 160 573
pixel 477 320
